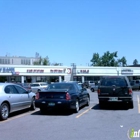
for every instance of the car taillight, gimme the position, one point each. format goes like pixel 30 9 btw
pixel 98 91
pixel 130 91
pixel 37 96
pixel 68 96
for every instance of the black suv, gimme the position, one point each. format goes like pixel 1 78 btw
pixel 115 89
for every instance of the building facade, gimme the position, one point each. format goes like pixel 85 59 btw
pixel 34 73
pixel 17 60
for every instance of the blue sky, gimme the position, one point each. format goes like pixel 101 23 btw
pixel 70 31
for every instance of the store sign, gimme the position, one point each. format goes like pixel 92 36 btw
pixel 57 71
pixel 126 71
pixel 68 71
pixel 35 71
pixel 83 71
pixel 7 69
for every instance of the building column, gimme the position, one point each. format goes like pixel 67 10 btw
pixel 60 78
pixel 22 79
pixel 83 79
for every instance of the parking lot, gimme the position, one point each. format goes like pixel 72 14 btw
pixel 110 123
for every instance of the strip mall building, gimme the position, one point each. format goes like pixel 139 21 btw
pixel 32 73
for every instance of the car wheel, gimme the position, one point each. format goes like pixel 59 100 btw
pixel 131 105
pixel 4 111
pixel 76 106
pixel 33 107
pixel 88 101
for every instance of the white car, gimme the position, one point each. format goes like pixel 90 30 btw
pixel 13 98
pixel 38 86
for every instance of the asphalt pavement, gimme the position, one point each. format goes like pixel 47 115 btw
pixel 114 122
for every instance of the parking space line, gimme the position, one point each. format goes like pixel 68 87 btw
pixel 19 116
pixel 138 103
pixel 84 112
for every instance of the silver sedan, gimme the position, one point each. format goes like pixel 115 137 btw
pixel 14 98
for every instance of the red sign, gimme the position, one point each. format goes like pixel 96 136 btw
pixel 57 71
pixel 68 70
pixel 35 71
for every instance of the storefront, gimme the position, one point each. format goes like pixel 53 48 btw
pixel 30 74
pixel 94 73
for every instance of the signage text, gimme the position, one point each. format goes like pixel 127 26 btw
pixel 35 71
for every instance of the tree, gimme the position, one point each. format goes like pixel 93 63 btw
pixel 95 59
pixel 46 61
pixel 108 59
pixel 42 61
pixel 122 61
pixel 36 63
pixel 135 62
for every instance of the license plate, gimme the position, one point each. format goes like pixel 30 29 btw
pixel 51 104
pixel 113 99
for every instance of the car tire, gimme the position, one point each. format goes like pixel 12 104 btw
pixel 131 105
pixel 88 101
pixel 77 107
pixel 33 107
pixel 4 111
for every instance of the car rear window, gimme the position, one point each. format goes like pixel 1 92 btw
pixel 113 81
pixel 61 86
pixel 34 85
pixel 43 84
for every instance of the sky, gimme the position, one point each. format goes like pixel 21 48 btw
pixel 70 31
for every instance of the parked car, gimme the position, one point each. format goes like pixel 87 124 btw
pixel 13 98
pixel 135 84
pixel 67 96
pixel 115 89
pixel 91 83
pixel 94 87
pixel 38 86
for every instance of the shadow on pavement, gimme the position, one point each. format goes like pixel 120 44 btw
pixel 53 113
pixel 111 106
pixel 19 113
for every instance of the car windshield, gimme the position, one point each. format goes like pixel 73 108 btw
pixel 113 81
pixel 60 86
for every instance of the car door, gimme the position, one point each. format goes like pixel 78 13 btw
pixel 13 97
pixel 85 95
pixel 80 94
pixel 25 98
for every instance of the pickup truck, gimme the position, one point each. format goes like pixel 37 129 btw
pixel 115 89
